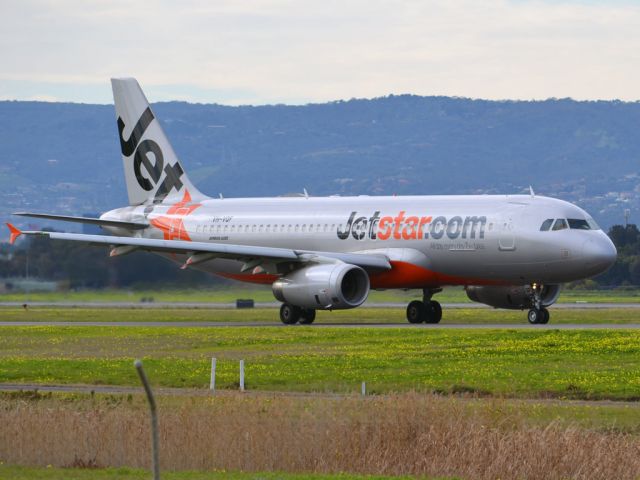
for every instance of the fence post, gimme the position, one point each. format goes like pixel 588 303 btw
pixel 212 385
pixel 242 375
pixel 364 389
pixel 155 457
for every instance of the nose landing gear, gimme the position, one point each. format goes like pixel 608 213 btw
pixel 538 314
pixel 425 311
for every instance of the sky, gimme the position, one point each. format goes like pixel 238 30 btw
pixel 296 52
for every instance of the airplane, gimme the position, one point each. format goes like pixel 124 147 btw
pixel 327 253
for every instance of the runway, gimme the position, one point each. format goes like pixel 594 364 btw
pixel 225 306
pixel 439 326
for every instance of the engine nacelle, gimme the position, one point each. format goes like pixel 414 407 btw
pixel 516 298
pixel 324 286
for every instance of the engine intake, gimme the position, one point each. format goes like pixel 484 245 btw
pixel 515 298
pixel 324 286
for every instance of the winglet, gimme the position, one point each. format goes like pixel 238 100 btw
pixel 15 233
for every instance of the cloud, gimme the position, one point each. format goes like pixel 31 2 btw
pixel 274 51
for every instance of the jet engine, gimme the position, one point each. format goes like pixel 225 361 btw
pixel 324 286
pixel 516 298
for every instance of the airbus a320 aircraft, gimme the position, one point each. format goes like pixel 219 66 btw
pixel 326 253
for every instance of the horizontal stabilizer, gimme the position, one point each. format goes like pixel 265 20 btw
pixel 15 233
pixel 92 221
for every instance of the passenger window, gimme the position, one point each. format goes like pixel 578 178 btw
pixel 560 224
pixel 578 224
pixel 546 225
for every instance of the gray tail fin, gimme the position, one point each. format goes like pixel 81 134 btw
pixel 151 168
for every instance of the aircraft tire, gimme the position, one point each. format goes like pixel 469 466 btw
pixel 290 314
pixel 437 311
pixel 545 316
pixel 307 316
pixel 416 312
pixel 535 316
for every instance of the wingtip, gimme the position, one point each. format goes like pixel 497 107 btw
pixel 15 233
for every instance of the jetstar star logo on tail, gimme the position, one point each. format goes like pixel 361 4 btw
pixel 173 226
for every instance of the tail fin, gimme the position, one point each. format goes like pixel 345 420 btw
pixel 151 168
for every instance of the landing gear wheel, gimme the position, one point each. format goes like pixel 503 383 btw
pixel 545 316
pixel 536 316
pixel 416 312
pixel 437 311
pixel 289 314
pixel 307 316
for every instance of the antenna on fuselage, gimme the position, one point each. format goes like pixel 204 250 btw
pixel 533 194
pixel 221 197
pixel 306 194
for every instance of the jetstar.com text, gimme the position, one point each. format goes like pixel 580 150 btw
pixel 411 227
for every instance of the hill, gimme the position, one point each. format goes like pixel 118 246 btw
pixel 65 158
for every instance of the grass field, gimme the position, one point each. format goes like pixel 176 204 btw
pixel 43 473
pixel 407 434
pixel 361 315
pixel 583 364
pixel 230 294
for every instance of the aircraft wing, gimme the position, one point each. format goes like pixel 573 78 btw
pixel 92 221
pixel 202 251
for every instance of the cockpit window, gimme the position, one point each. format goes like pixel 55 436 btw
pixel 592 223
pixel 560 224
pixel 578 224
pixel 546 225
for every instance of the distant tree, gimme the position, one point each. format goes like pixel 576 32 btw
pixel 622 235
pixel 82 266
pixel 626 270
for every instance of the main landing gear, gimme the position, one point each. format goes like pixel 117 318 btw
pixel 290 315
pixel 538 314
pixel 425 311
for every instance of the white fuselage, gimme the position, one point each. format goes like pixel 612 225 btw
pixel 430 240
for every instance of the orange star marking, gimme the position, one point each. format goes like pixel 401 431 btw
pixel 173 226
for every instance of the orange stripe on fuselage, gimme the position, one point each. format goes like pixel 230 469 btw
pixel 261 278
pixel 408 275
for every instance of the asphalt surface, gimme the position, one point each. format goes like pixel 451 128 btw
pixel 440 326
pixel 221 306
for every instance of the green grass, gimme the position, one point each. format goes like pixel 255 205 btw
pixel 230 294
pixel 48 473
pixel 581 364
pixel 361 315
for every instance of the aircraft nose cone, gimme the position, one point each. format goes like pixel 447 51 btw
pixel 599 254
